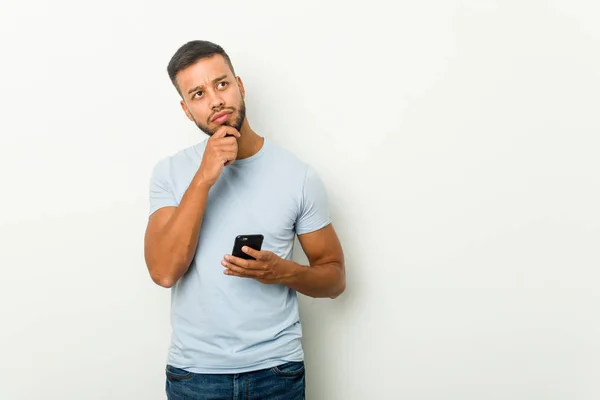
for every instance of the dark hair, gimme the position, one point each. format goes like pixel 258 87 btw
pixel 190 53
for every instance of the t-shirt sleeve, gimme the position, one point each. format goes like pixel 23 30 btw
pixel 161 193
pixel 314 205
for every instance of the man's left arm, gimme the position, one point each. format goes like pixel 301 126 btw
pixel 324 277
pixel 326 274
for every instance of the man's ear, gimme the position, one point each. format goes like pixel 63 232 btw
pixel 186 110
pixel 241 86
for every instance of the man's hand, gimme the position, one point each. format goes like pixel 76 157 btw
pixel 220 151
pixel 267 268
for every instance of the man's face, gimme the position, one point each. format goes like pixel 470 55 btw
pixel 212 95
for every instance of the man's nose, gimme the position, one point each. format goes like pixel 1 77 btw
pixel 217 101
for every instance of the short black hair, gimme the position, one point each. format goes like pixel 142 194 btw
pixel 190 53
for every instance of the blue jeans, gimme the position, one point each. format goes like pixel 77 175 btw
pixel 284 382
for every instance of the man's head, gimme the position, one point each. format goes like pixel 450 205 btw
pixel 203 75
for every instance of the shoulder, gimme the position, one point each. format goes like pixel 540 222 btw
pixel 292 162
pixel 185 158
pixel 286 161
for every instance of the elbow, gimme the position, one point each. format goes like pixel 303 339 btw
pixel 163 281
pixel 163 276
pixel 339 291
pixel 165 272
pixel 340 287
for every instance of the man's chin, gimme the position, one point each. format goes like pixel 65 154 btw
pixel 211 132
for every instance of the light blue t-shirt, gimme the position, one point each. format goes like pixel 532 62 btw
pixel 226 324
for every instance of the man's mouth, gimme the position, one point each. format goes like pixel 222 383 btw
pixel 221 117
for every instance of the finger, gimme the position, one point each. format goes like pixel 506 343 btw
pixel 228 156
pixel 224 130
pixel 227 149
pixel 232 269
pixel 233 273
pixel 233 131
pixel 227 142
pixel 242 263
pixel 267 281
pixel 219 134
pixel 259 255
pixel 250 273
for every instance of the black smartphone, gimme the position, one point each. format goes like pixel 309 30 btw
pixel 254 241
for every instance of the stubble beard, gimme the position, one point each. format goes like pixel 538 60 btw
pixel 237 123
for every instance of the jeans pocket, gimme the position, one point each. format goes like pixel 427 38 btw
pixel 290 369
pixel 177 374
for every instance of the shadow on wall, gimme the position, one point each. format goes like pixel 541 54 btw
pixel 325 320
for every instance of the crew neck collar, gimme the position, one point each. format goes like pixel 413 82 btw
pixel 253 157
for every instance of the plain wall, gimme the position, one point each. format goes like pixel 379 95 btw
pixel 459 142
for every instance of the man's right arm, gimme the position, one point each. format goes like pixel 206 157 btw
pixel 173 231
pixel 172 235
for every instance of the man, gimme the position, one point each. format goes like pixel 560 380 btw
pixel 236 329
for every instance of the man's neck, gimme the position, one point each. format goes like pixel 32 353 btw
pixel 249 142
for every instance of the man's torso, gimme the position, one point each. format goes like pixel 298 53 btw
pixel 225 324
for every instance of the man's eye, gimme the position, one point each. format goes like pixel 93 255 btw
pixel 198 94
pixel 222 84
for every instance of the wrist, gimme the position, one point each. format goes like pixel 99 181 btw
pixel 292 271
pixel 201 183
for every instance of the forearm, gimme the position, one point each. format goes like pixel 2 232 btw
pixel 176 243
pixel 319 280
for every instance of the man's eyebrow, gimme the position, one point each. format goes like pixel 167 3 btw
pixel 196 88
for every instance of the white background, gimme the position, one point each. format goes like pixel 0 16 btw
pixel 458 141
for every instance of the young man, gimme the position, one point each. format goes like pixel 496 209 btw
pixel 236 329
